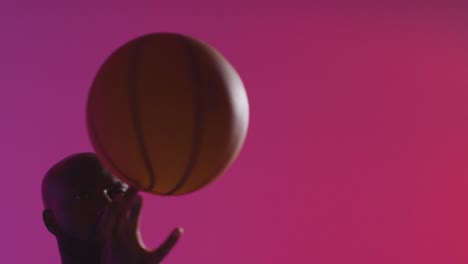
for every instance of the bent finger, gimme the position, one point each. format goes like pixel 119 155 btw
pixel 134 214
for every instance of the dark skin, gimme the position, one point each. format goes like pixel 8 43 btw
pixel 95 216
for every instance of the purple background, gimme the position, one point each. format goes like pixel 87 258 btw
pixel 358 143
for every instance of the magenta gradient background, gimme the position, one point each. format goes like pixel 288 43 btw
pixel 358 145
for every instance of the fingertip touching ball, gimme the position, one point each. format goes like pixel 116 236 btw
pixel 167 113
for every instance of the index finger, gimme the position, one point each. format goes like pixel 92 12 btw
pixel 122 203
pixel 131 192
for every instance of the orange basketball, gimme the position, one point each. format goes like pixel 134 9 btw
pixel 167 113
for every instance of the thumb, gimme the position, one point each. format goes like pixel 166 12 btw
pixel 160 253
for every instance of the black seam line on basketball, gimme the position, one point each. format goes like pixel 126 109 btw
pixel 198 116
pixel 134 107
pixel 105 154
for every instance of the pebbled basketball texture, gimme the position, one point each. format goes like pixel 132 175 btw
pixel 167 113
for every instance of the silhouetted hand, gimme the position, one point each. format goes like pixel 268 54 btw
pixel 120 235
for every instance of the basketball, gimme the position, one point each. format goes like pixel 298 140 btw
pixel 167 113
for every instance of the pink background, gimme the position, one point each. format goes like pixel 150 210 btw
pixel 358 144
